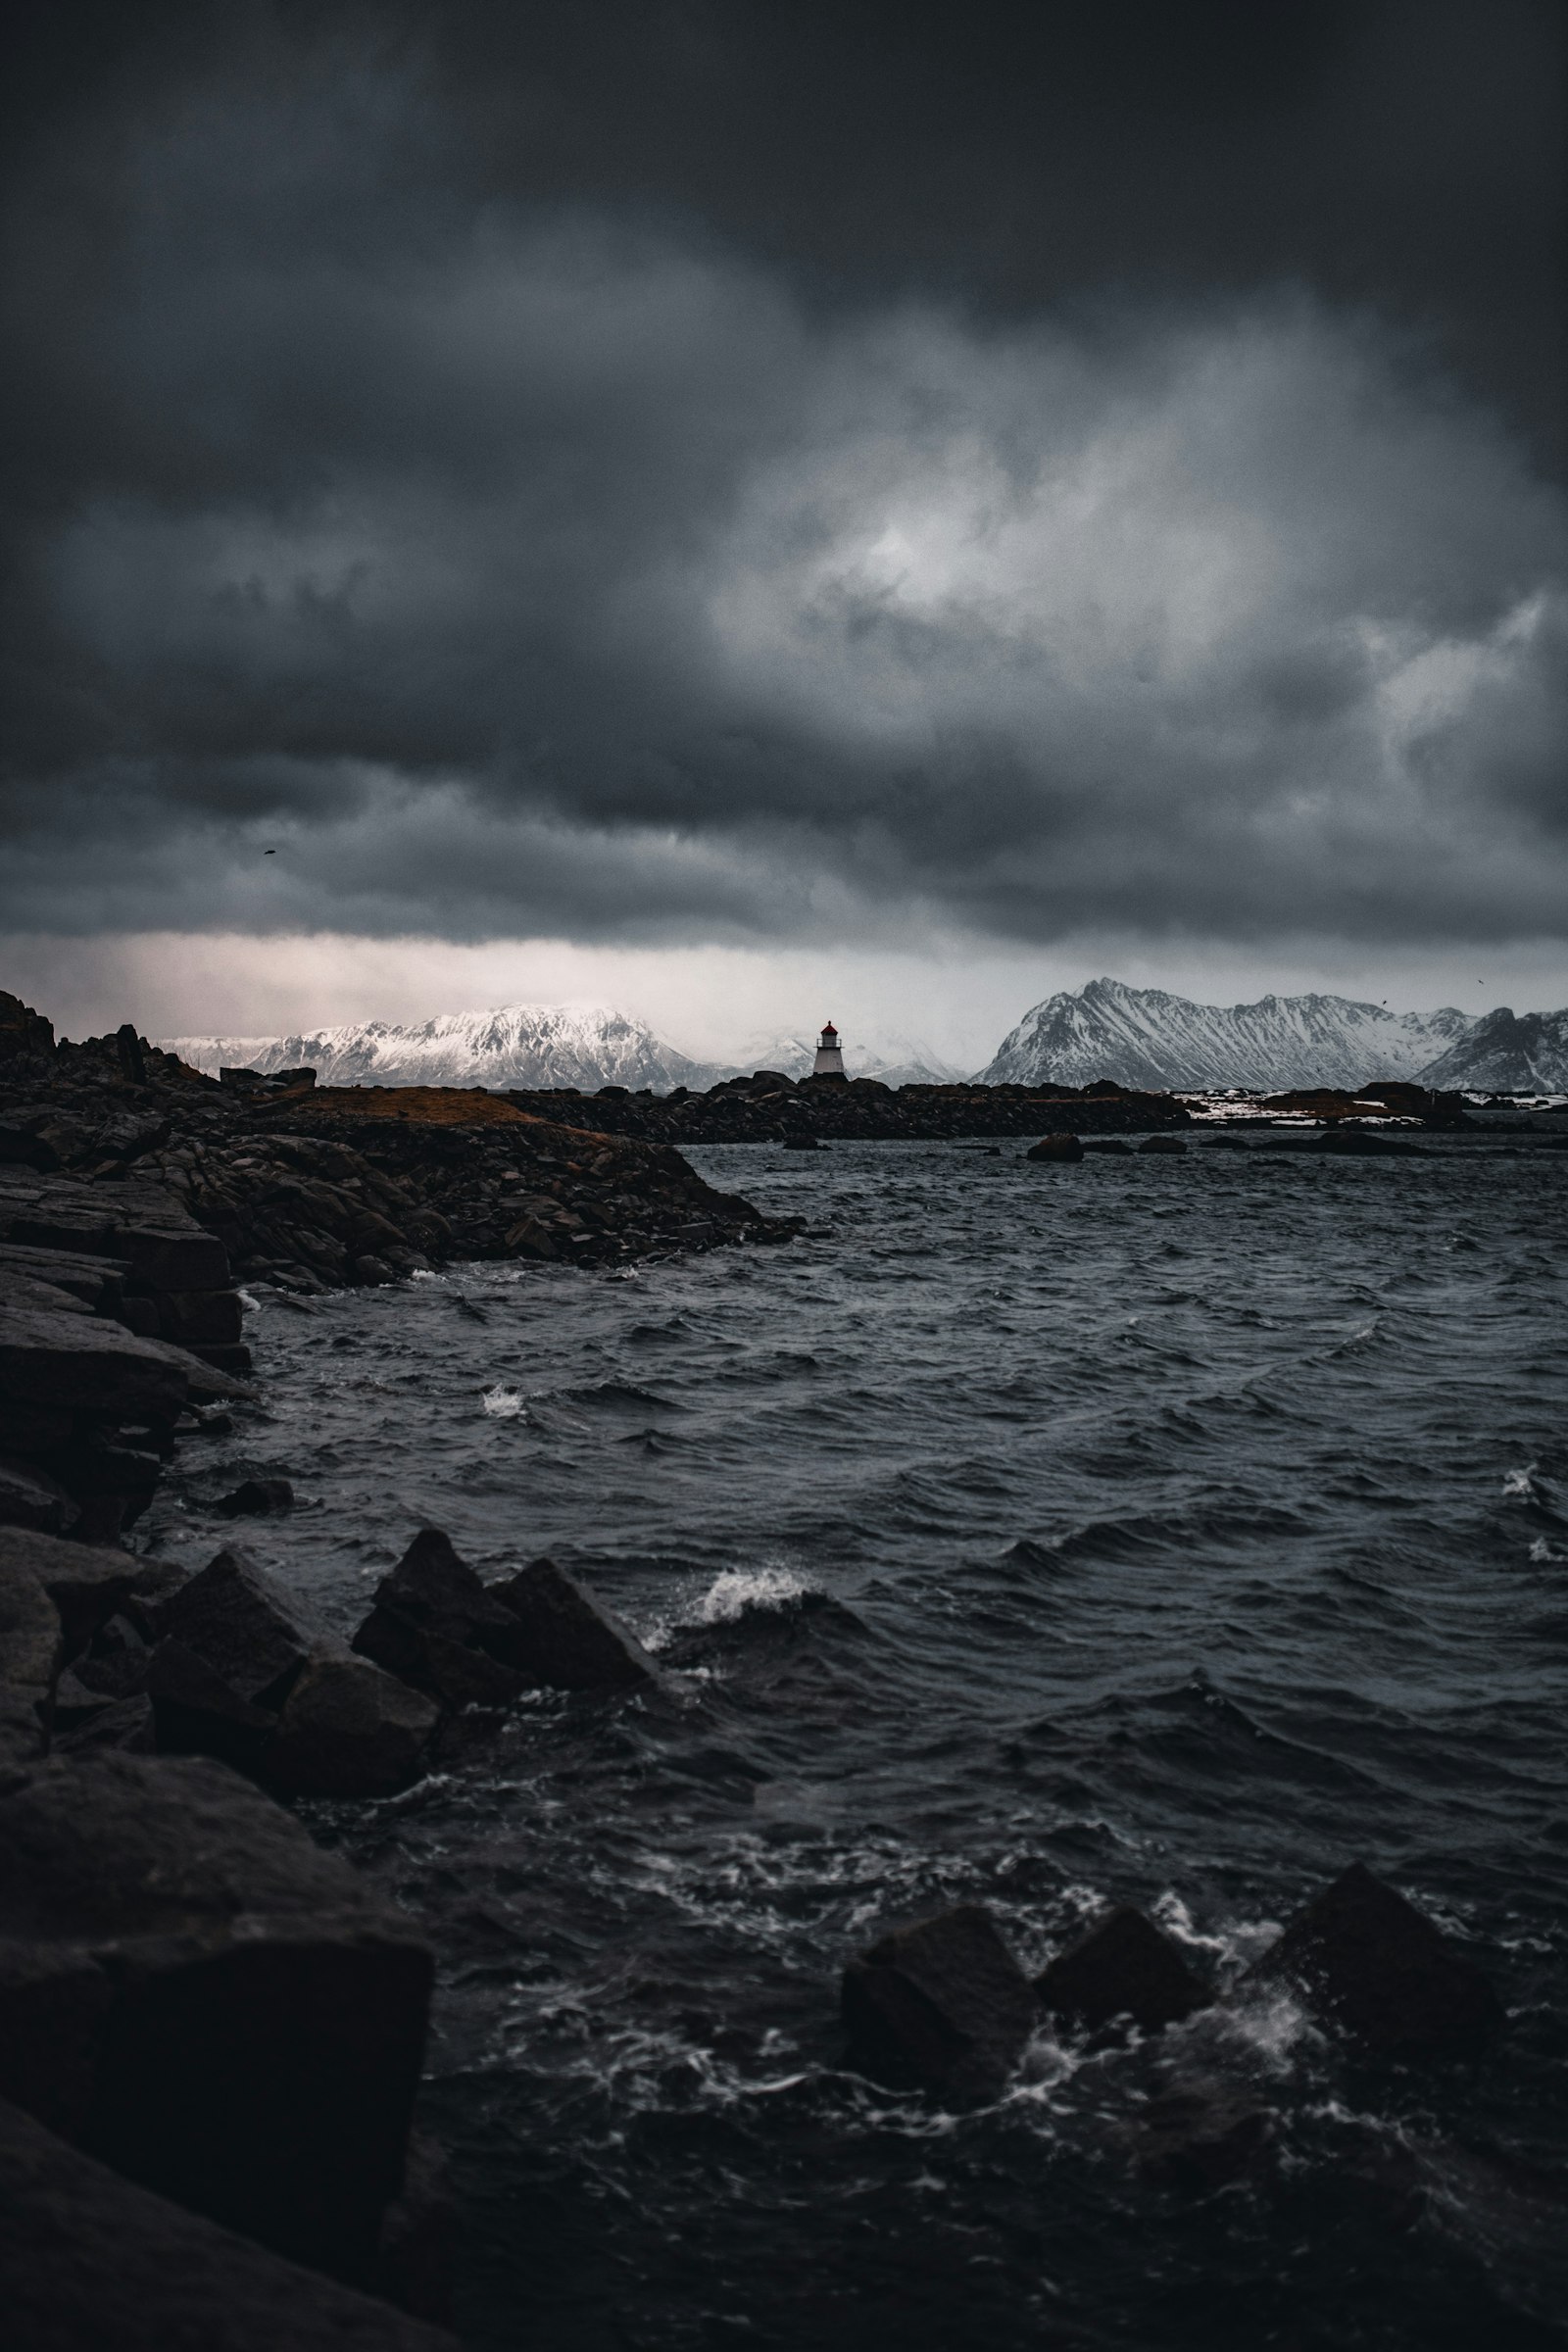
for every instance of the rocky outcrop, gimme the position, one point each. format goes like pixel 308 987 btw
pixel 1066 1148
pixel 1377 1969
pixel 203 1998
pixel 572 1641
pixel 942 2002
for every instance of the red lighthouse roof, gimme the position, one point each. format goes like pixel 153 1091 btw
pixel 828 1029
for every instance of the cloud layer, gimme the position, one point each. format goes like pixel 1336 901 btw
pixel 514 569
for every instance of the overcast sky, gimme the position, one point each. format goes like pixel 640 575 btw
pixel 702 504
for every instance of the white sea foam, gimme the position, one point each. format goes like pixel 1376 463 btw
pixel 738 1590
pixel 1518 1485
pixel 503 1403
pixel 1540 1552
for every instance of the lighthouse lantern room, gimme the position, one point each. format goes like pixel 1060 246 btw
pixel 829 1063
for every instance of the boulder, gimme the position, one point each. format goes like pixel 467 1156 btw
pixel 1056 1147
pixel 1369 1962
pixel 1113 1144
pixel 246 1626
pixel 1123 1970
pixel 22 1739
pixel 942 2000
pixel 349 1729
pixel 255 1498
pixel 198 1714
pixel 802 1143
pixel 91 2263
pixel 437 1627
pixel 417 2263
pixel 26 1289
pixel 257 2049
pixel 574 1641
pixel 32 1644
pixel 86 1583
pixel 1162 1143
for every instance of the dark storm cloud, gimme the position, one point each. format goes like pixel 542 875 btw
pixel 405 491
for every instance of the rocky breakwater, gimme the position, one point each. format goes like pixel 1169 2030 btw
pixel 211 2032
pixel 770 1107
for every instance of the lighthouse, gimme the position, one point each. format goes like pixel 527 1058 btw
pixel 829 1063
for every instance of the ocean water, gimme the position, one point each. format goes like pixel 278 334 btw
pixel 1170 1530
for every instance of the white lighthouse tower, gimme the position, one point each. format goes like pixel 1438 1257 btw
pixel 829 1063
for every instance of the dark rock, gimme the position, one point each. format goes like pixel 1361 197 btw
pixel 1361 1143
pixel 86 1583
pixel 246 1626
pixel 127 1724
pixel 54 2004
pixel 1123 1969
pixel 27 1291
pixel 436 1626
pixel 417 2261
pixel 802 1143
pixel 94 1281
pixel 1113 1144
pixel 22 1736
pixel 91 2263
pixel 201 1319
pixel 1371 1963
pixel 1200 2137
pixel 943 2000
pixel 29 1498
pixel 349 1729
pixel 255 1498
pixel 115 1665
pixel 52 1357
pixel 574 1641
pixel 371 1270
pixel 1162 1143
pixel 259 2052
pixel 200 1714
pixel 1056 1147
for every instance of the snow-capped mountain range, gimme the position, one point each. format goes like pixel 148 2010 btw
pixel 1143 1037
pixel 529 1045
pixel 1507 1053
pixel 1135 1036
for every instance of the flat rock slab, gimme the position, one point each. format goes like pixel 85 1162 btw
pixel 145 1225
pixel 259 2050
pixel 1369 1962
pixel 1123 1970
pixel 51 1356
pixel 942 2000
pixel 574 1643
pixel 91 2263
pixel 87 1582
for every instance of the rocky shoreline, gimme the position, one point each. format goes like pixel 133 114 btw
pixel 211 2030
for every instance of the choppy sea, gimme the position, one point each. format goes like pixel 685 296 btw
pixel 1163 1530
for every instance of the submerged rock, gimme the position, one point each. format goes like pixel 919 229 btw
pixel 943 2000
pixel 1199 2137
pixel 255 1498
pixel 256 2047
pixel 1369 1962
pixel 1056 1147
pixel 1162 1143
pixel 1123 1969
pixel 574 1643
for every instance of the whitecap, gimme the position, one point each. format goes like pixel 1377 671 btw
pixel 1518 1484
pixel 738 1590
pixel 503 1403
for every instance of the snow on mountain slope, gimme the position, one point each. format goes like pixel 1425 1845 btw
pixel 1143 1037
pixel 1507 1053
pixel 512 1045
